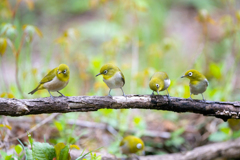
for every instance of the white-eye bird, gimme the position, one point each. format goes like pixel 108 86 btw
pixel 159 82
pixel 112 76
pixel 55 80
pixel 198 82
pixel 131 145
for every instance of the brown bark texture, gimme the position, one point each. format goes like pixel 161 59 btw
pixel 21 107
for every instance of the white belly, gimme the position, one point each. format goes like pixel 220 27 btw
pixel 115 81
pixel 166 83
pixel 55 85
pixel 200 88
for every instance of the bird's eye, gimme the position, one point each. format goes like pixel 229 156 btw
pixel 65 71
pixel 157 85
pixel 105 72
pixel 190 74
pixel 139 145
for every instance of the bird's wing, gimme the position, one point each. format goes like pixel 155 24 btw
pixel 206 81
pixel 122 143
pixel 123 78
pixel 49 76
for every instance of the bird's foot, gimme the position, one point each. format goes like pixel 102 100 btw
pixel 52 97
pixel 168 98
pixel 124 96
pixel 109 96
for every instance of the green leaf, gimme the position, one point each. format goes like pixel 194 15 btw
pixel 137 120
pixel 9 157
pixel 71 140
pixel 74 146
pixel 3 154
pixel 43 151
pixel 64 154
pixel 226 130
pixel 3 45
pixel 58 147
pixel 236 134
pixel 215 70
pixel 30 140
pixel 18 148
pixel 58 125
pixel 30 31
pixel 178 141
pixel 177 132
pixel 82 156
pixel 217 137
pixel 29 154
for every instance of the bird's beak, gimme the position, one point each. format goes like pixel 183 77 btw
pixel 183 76
pixel 98 74
pixel 59 72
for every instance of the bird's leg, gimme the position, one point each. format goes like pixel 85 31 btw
pixel 123 93
pixel 109 95
pixel 203 98
pixel 153 93
pixel 168 95
pixel 62 95
pixel 50 95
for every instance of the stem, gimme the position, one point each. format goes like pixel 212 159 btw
pixel 16 62
pixel 16 78
pixel 4 78
pixel 14 11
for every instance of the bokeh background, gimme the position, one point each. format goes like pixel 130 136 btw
pixel 140 37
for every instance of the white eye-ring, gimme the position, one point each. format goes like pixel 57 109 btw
pixel 139 145
pixel 157 85
pixel 190 74
pixel 105 72
pixel 64 71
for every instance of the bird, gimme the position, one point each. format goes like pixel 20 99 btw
pixel 113 77
pixel 159 82
pixel 131 145
pixel 234 124
pixel 198 82
pixel 55 80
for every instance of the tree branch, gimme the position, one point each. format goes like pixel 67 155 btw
pixel 21 107
pixel 229 149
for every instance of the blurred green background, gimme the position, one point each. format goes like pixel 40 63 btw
pixel 140 37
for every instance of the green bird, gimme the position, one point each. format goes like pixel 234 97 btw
pixel 159 82
pixel 198 82
pixel 131 145
pixel 55 80
pixel 113 77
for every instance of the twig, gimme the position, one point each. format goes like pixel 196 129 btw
pixel 95 125
pixel 36 127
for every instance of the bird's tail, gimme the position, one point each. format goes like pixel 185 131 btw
pixel 35 90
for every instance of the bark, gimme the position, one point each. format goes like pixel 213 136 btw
pixel 21 107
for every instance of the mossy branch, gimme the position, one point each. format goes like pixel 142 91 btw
pixel 21 107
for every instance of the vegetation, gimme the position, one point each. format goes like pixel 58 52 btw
pixel 140 37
